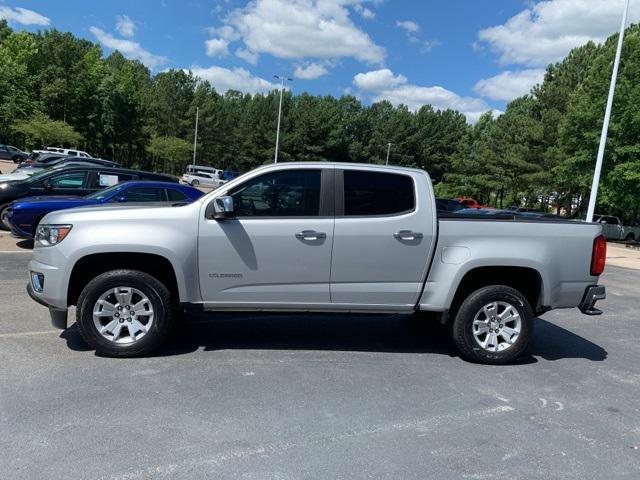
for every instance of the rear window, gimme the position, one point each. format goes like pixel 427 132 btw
pixel 377 193
pixel 144 194
pixel 175 195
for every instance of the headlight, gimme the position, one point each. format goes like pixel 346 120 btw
pixel 48 235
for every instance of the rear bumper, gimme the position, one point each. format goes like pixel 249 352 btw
pixel 592 294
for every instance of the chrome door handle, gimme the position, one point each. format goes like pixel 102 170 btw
pixel 407 235
pixel 310 235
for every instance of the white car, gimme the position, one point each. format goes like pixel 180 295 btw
pixel 68 151
pixel 196 179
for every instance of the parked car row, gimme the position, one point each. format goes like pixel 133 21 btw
pixel 69 182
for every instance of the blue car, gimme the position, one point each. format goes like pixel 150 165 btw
pixel 24 214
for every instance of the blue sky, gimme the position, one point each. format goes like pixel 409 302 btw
pixel 472 55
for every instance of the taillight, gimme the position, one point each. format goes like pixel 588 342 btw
pixel 598 255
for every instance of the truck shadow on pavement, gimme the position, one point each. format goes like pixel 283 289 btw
pixel 356 333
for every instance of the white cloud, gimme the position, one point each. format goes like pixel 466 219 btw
pixel 297 29
pixel 23 16
pixel 310 71
pixel 364 12
pixel 546 31
pixel 247 55
pixel 224 79
pixel 509 84
pixel 408 25
pixel 384 85
pixel 128 48
pixel 125 26
pixel 429 45
pixel 377 80
pixel 217 47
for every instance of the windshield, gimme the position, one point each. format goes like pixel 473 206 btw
pixel 38 176
pixel 105 193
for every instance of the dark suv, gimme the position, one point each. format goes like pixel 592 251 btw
pixel 79 180
pixel 7 152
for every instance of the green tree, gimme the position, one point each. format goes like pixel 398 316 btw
pixel 173 152
pixel 40 130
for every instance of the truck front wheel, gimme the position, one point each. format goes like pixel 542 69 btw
pixel 493 325
pixel 125 313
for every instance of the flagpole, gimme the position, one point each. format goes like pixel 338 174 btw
pixel 195 137
pixel 607 117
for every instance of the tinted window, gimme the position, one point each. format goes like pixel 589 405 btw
pixel 373 193
pixel 67 180
pixel 176 195
pixel 144 194
pixel 279 194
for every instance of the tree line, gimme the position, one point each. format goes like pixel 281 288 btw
pixel 56 88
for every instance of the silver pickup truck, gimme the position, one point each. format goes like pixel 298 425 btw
pixel 614 229
pixel 312 237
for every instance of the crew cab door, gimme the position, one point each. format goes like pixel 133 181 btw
pixel 276 250
pixel 383 238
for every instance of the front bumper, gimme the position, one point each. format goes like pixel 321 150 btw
pixel 592 294
pixel 58 315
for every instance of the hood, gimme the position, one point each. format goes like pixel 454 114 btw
pixel 14 177
pixel 54 198
pixel 51 202
pixel 119 213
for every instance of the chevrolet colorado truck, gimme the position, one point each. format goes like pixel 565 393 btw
pixel 313 237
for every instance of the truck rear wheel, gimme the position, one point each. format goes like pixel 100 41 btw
pixel 125 313
pixel 493 325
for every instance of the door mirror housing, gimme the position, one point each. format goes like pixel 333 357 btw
pixel 221 208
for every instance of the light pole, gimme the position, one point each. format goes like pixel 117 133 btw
pixel 282 80
pixel 388 152
pixel 607 116
pixel 195 137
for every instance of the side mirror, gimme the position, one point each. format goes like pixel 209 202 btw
pixel 47 187
pixel 222 208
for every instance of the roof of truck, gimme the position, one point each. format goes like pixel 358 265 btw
pixel 347 165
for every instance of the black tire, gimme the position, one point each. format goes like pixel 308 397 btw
pixel 462 328
pixel 17 159
pixel 164 307
pixel 195 183
pixel 3 211
pixel 630 238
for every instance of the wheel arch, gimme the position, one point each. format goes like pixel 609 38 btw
pixel 526 280
pixel 89 266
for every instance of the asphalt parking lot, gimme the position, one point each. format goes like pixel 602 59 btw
pixel 282 397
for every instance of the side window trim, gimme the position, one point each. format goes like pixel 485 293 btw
pixel 340 196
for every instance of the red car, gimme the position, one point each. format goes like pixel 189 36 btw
pixel 470 202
